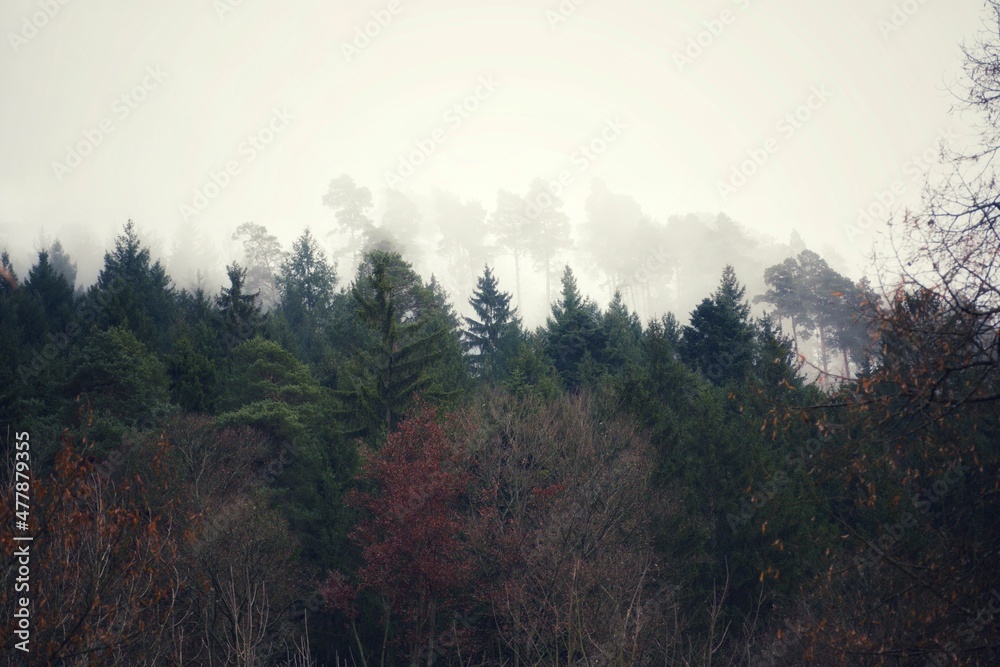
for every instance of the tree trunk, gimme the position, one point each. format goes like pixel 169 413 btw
pixel 847 365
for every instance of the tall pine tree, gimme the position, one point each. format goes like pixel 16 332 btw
pixel 574 338
pixel 404 349
pixel 719 341
pixel 492 336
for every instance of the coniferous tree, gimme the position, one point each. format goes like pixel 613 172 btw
pixel 573 333
pixel 240 311
pixel 134 292
pixel 785 294
pixel 122 381
pixel 819 300
pixel 548 230
pixel 404 348
pixel 306 282
pixel 192 377
pixel 492 336
pixel 53 294
pixel 352 207
pixel 719 341
pixel 463 234
pixel 306 291
pixel 623 332
pixel 262 255
pixel 61 262
pixel 512 231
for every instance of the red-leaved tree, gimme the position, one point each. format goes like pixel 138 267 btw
pixel 413 555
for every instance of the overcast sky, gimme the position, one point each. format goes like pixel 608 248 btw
pixel 199 78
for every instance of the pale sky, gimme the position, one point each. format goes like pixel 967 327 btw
pixel 200 77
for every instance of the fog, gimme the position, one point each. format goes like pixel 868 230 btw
pixel 678 136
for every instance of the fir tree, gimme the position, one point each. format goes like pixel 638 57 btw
pixel 240 312
pixel 397 365
pixel 573 332
pixel 134 292
pixel 61 262
pixel 491 337
pixel 719 341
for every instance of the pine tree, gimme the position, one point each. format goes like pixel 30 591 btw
pixel 786 295
pixel 548 230
pixel 623 332
pixel 134 292
pixel 53 294
pixel 262 255
pixel 776 365
pixel 122 381
pixel 306 291
pixel 492 336
pixel 512 231
pixel 719 341
pixel 240 312
pixel 306 282
pixel 353 209
pixel 463 234
pixel 61 262
pixel 403 352
pixel 192 377
pixel 573 332
pixel 817 299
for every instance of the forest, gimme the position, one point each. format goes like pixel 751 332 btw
pixel 334 459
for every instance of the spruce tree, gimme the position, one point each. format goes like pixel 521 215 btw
pixel 240 312
pixel 719 341
pixel 134 292
pixel 396 365
pixel 306 281
pixel 623 331
pixel 61 262
pixel 573 332
pixel 490 337
pixel 306 290
pixel 52 293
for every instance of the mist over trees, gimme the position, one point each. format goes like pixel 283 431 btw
pixel 366 446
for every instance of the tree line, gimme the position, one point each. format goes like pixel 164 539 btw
pixel 307 468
